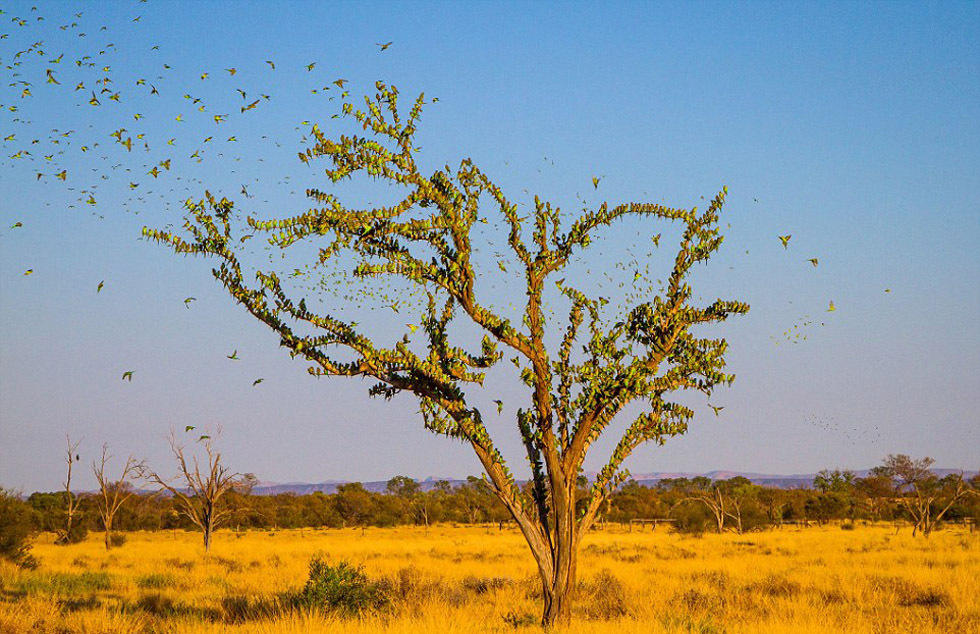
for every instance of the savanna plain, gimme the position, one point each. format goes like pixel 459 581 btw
pixel 449 578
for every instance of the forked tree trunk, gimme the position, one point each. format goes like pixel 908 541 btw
pixel 559 586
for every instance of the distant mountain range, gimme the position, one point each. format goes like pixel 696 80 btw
pixel 793 481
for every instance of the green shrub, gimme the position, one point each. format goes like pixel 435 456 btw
pixel 156 581
pixel 78 533
pixel 341 588
pixel 15 530
pixel 65 583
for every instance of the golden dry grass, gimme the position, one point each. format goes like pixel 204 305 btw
pixel 472 579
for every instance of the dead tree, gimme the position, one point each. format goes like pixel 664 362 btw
pixel 114 493
pixel 710 495
pixel 71 501
pixel 203 482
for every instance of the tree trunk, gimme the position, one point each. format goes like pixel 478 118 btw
pixel 558 588
pixel 108 531
pixel 207 527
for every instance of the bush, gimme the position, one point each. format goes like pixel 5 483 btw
pixel 341 588
pixel 15 530
pixel 117 539
pixel 79 531
pixel 156 581
pixel 692 519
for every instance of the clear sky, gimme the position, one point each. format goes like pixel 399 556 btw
pixel 852 127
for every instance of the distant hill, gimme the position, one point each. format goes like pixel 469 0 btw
pixel 791 481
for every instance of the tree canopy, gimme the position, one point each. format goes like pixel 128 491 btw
pixel 581 372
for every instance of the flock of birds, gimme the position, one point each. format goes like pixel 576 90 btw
pixel 81 81
pixel 128 136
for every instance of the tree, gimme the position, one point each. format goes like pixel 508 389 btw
pixel 836 496
pixel 409 492
pixel 114 493
pixel 710 494
pixel 836 481
pixel 15 530
pixel 580 374
pixel 875 491
pixel 72 532
pixel 200 496
pixel 353 504
pixel 741 492
pixel 925 496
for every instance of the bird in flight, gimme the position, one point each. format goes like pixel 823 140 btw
pixel 813 261
pixel 256 382
pixel 384 46
pixel 128 376
pixel 188 428
pixel 98 289
pixel 831 308
pixel 785 240
pixel 188 300
pixel 233 356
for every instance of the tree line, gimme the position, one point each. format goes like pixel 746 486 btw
pixel 901 489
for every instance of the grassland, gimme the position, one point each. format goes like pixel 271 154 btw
pixel 474 579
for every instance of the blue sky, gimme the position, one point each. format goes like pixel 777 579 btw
pixel 852 127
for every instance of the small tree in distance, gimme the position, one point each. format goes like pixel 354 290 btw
pixel 924 495
pixel 580 372
pixel 72 532
pixel 203 481
pixel 114 493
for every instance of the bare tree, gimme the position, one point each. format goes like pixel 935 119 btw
pixel 114 493
pixel 203 482
pixel 740 490
pixel 71 501
pixel 710 495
